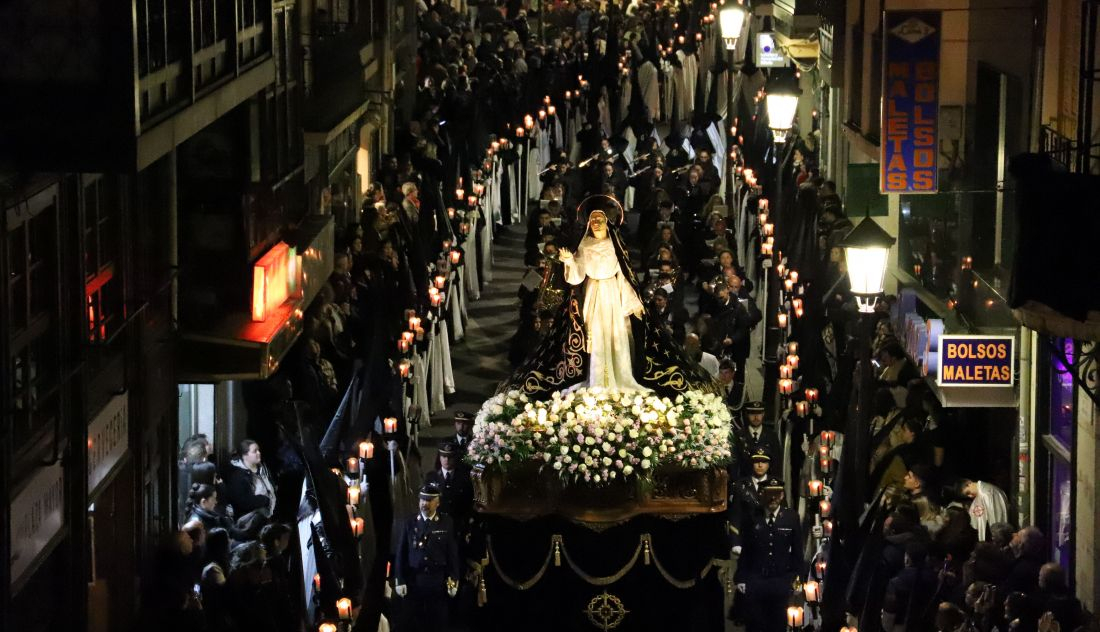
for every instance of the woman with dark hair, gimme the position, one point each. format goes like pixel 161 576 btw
pixel 248 485
pixel 202 505
pixel 214 573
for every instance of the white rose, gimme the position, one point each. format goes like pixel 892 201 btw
pixel 606 447
pixel 645 464
pixel 647 452
pixel 547 456
pixel 582 467
pixel 576 448
pixel 606 461
pixel 628 470
pixel 557 465
pixel 565 449
pixel 622 453
pixel 596 478
pixel 589 441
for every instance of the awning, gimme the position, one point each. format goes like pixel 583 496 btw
pixel 1046 320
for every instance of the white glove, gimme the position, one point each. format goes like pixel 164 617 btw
pixel 741 588
pixel 401 590
pixel 737 550
pixel 452 590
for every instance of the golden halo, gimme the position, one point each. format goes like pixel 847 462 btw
pixel 622 211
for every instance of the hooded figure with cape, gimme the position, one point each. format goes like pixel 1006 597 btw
pixel 602 335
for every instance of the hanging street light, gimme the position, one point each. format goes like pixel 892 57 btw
pixel 732 19
pixel 782 103
pixel 866 248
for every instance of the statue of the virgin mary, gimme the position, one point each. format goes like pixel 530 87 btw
pixel 600 336
pixel 609 303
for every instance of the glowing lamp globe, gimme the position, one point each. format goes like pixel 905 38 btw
pixel 866 248
pixel 731 18
pixel 782 103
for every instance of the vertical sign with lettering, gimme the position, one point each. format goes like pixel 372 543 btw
pixel 910 102
pixel 37 515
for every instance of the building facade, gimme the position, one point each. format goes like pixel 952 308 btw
pixel 153 153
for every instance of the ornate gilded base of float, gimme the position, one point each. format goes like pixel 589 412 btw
pixel 523 493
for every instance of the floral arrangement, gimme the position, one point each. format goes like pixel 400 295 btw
pixel 596 436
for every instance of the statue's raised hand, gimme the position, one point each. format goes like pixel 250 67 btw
pixel 565 254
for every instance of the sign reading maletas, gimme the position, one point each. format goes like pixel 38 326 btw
pixel 976 360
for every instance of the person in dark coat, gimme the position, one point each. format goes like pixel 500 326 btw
pixel 754 436
pixel 248 485
pixel 910 595
pixel 744 496
pixel 202 505
pixel 771 558
pixel 426 567
pixel 464 432
pixel 456 490
pixel 1028 548
pixel 1054 596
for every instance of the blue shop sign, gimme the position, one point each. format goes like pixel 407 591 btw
pixel 976 360
pixel 909 160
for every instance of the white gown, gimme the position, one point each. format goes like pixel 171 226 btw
pixel 609 302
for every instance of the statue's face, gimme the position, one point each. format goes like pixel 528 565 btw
pixel 598 225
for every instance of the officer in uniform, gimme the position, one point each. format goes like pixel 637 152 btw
pixel 744 498
pixel 754 436
pixel 464 431
pixel 456 498
pixel 770 561
pixel 426 564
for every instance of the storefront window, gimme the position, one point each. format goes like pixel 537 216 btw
pixel 1061 525
pixel 1059 444
pixel 1061 396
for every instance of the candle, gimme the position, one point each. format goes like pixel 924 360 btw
pixel 327 627
pixel 357 526
pixel 830 438
pixel 781 320
pixel 812 590
pixel 568 94
pixel 519 132
pixel 364 446
pixel 916 269
pixel 801 408
pixel 495 145
pixel 317 582
pixel 337 472
pixel 825 465
pixel 794 616
pixel 471 200
pixel 823 451
pixel 796 303
pixel 353 465
pixel 403 368
pixel 762 204
pixel 353 495
pixel 786 386
pixel 343 608
pixel 788 284
pixel 792 361
pixel 419 333
pixel 794 276
pixel 811 395
pixel 403 345
pixel 408 336
pixel 551 110
pixel 815 487
pixel 464 228
pixel 785 371
pixel 827 527
pixel 762 218
pixel 414 322
pixel 820 567
pixel 798 311
pixel 781 270
pixel 389 425
pixel 769 229
pixel 546 99
pixel 792 347
pixel 456 256
pixel 542 115
pixel 826 508
pixel 440 281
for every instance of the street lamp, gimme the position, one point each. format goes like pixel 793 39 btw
pixel 782 103
pixel 866 248
pixel 731 18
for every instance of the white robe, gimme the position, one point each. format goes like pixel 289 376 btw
pixel 609 302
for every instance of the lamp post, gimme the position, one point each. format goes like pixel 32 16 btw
pixel 731 19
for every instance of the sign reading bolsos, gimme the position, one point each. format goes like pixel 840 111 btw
pixel 976 360
pixel 910 102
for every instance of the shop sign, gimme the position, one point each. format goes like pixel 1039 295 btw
pixel 976 360
pixel 37 515
pixel 768 54
pixel 108 438
pixel 909 159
